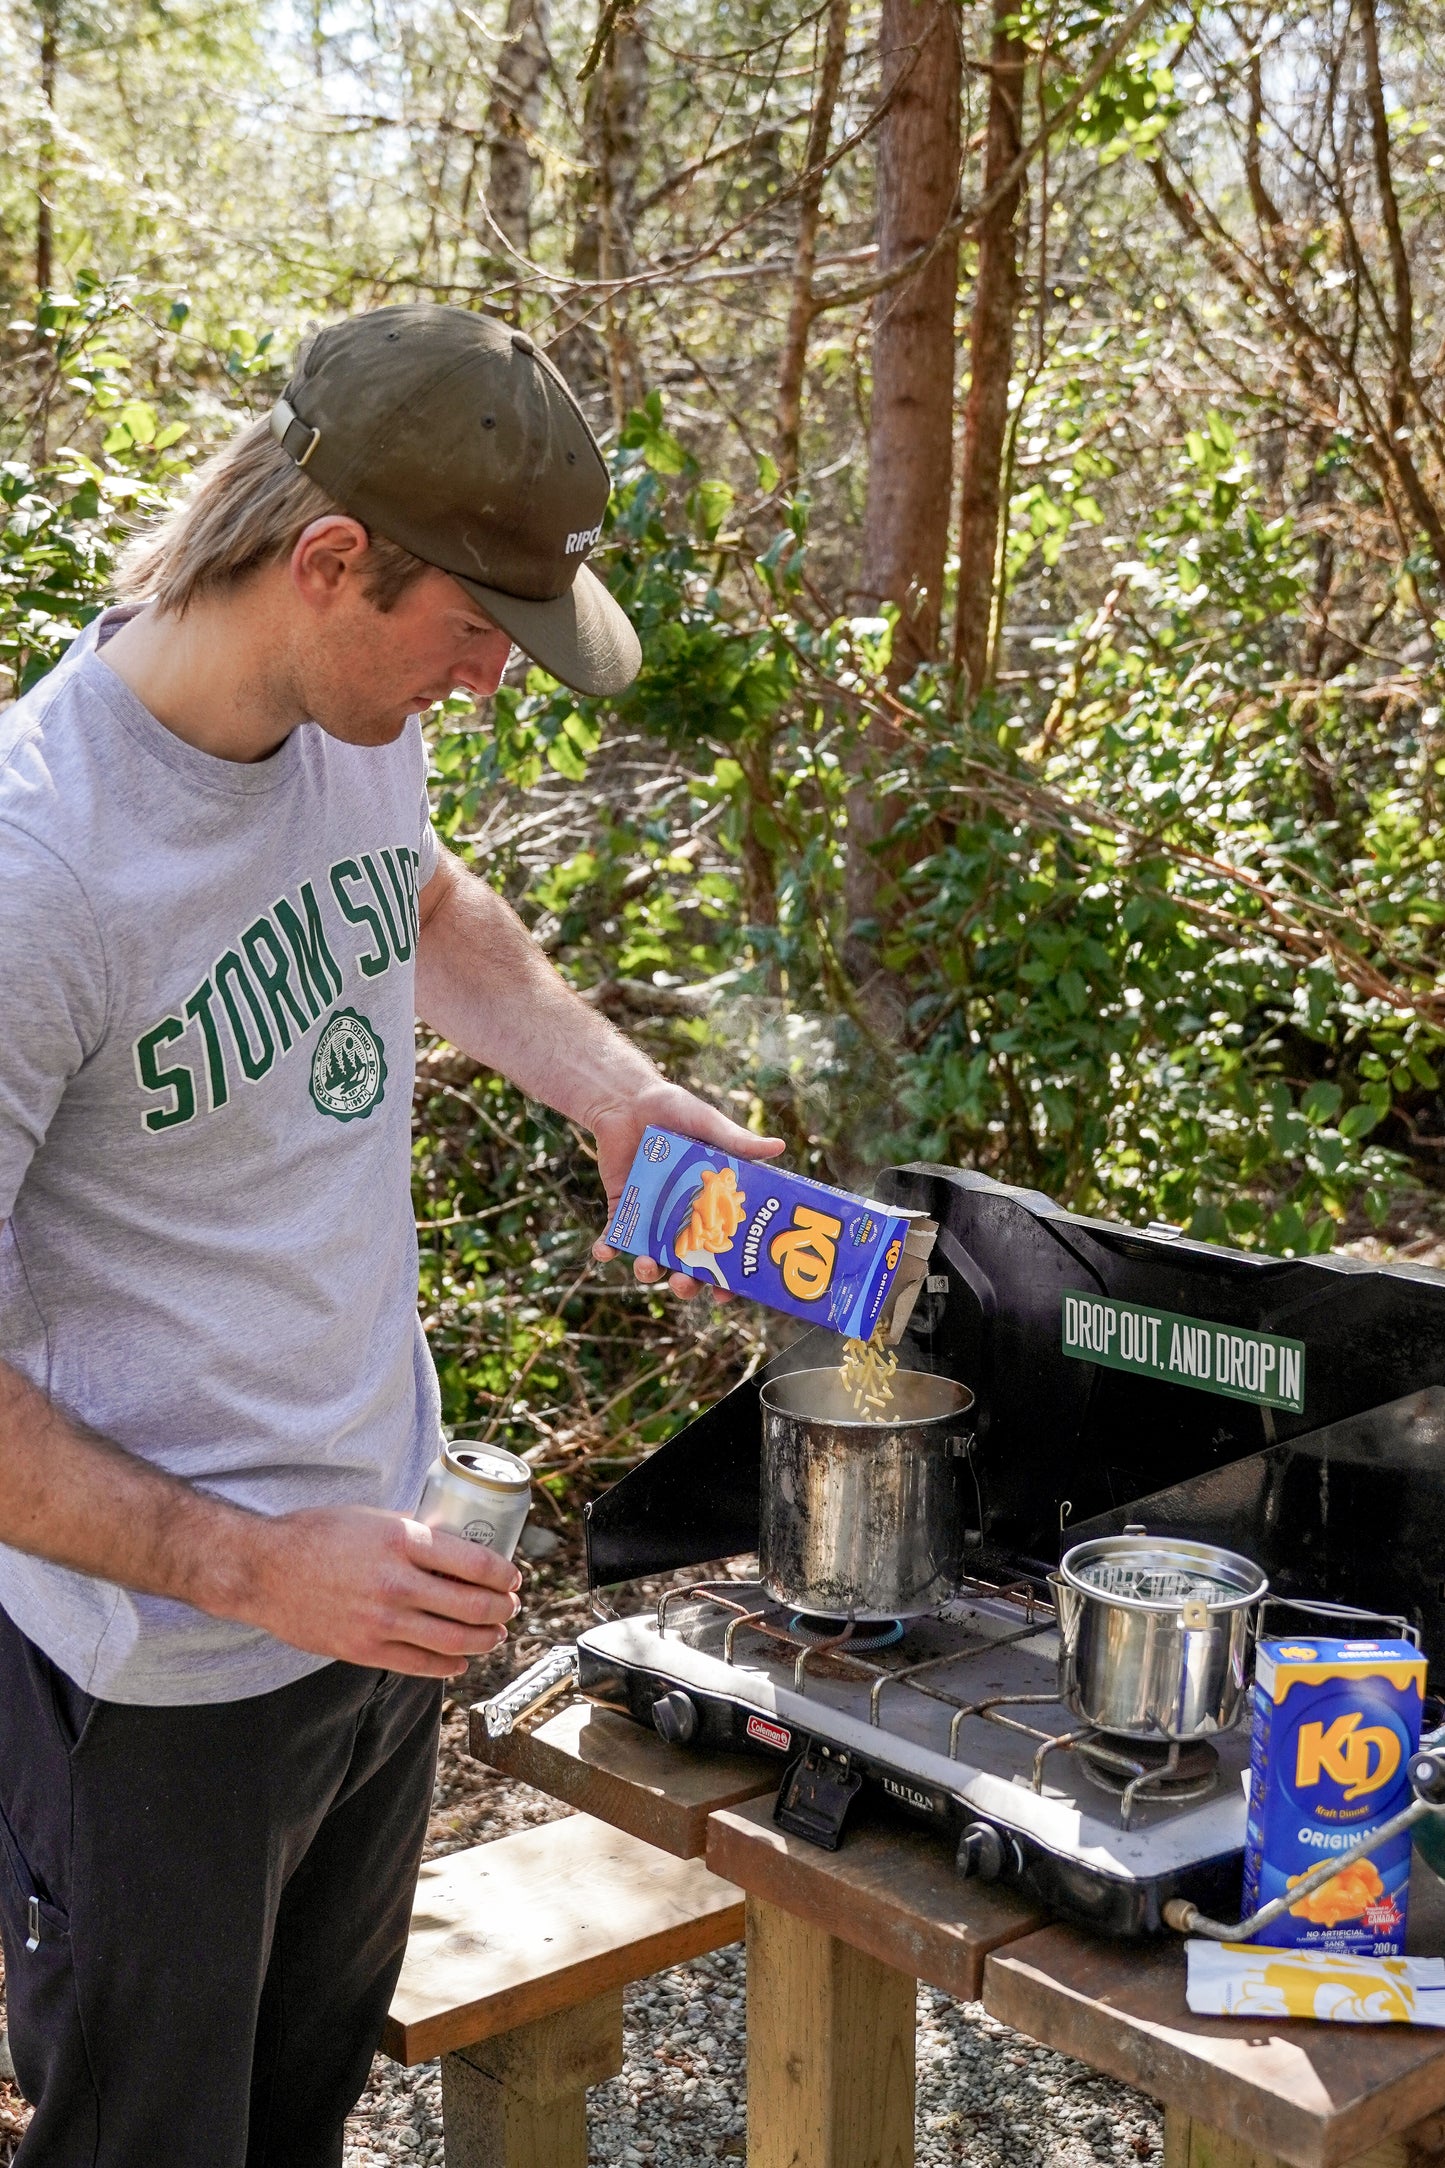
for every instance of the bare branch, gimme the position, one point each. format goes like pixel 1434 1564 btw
pixel 802 311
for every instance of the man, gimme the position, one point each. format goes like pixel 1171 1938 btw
pixel 222 1640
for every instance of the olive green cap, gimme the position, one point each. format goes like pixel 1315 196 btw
pixel 450 434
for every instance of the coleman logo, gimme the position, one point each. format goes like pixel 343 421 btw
pixel 348 1069
pixel 770 1734
pixel 582 538
pixel 1358 1761
pixel 805 1253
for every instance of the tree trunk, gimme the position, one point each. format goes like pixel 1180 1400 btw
pixel 45 178
pixel 512 120
pixel 612 120
pixel 803 308
pixel 45 161
pixel 1402 323
pixel 991 338
pixel 910 436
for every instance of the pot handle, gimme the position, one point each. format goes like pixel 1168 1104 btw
pixel 1195 1623
pixel 1066 1612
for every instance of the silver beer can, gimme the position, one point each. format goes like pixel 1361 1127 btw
pixel 478 1492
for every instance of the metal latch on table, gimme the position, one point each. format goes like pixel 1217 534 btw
pixel 815 1795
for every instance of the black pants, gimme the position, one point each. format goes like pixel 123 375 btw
pixel 204 1910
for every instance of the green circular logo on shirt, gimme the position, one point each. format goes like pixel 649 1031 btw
pixel 348 1069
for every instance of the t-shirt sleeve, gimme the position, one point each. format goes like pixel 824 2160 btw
pixel 430 850
pixel 52 996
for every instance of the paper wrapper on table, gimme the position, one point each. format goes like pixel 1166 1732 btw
pixel 781 1239
pixel 1242 1979
pixel 1335 1724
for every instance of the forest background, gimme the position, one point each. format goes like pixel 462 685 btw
pixel 1029 455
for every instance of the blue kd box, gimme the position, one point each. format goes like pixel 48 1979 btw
pixel 779 1238
pixel 1335 1724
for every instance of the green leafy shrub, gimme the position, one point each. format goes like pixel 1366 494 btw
pixel 1144 956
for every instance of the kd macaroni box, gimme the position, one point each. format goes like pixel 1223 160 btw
pixel 1335 1724
pixel 779 1238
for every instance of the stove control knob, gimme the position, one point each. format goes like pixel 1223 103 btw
pixel 675 1717
pixel 982 1852
pixel 1427 1775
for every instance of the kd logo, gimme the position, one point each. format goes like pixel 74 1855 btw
pixel 805 1252
pixel 1343 1752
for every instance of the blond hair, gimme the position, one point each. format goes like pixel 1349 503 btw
pixel 245 508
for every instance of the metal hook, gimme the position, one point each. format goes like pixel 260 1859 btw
pixel 1065 1509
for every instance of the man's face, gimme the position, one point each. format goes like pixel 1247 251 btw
pixel 362 671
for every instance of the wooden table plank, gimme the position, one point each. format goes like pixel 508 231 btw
pixel 511 1931
pixel 890 1890
pixel 605 1765
pixel 1312 2094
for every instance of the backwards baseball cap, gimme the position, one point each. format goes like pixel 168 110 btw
pixel 450 434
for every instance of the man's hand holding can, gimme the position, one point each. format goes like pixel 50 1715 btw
pixel 377 1588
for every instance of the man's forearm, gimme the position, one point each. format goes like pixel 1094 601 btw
pixel 71 1496
pixel 483 983
pixel 353 1582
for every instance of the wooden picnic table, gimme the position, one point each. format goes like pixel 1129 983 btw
pixel 837 1942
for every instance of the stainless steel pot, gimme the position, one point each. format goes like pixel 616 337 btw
pixel 862 1519
pixel 1154 1634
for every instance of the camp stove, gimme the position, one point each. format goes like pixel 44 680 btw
pixel 951 1719
pixel 1289 1410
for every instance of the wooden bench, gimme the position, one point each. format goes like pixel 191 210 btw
pixel 518 1954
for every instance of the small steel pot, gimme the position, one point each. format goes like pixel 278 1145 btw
pixel 1154 1634
pixel 862 1519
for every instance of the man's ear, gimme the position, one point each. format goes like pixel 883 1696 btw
pixel 328 555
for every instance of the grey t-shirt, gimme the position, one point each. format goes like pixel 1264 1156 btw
pixel 206 1059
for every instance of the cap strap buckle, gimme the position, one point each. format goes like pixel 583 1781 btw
pixel 284 421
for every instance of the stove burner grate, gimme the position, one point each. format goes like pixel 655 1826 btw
pixel 1136 1772
pixel 858 1636
pixel 1177 1770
